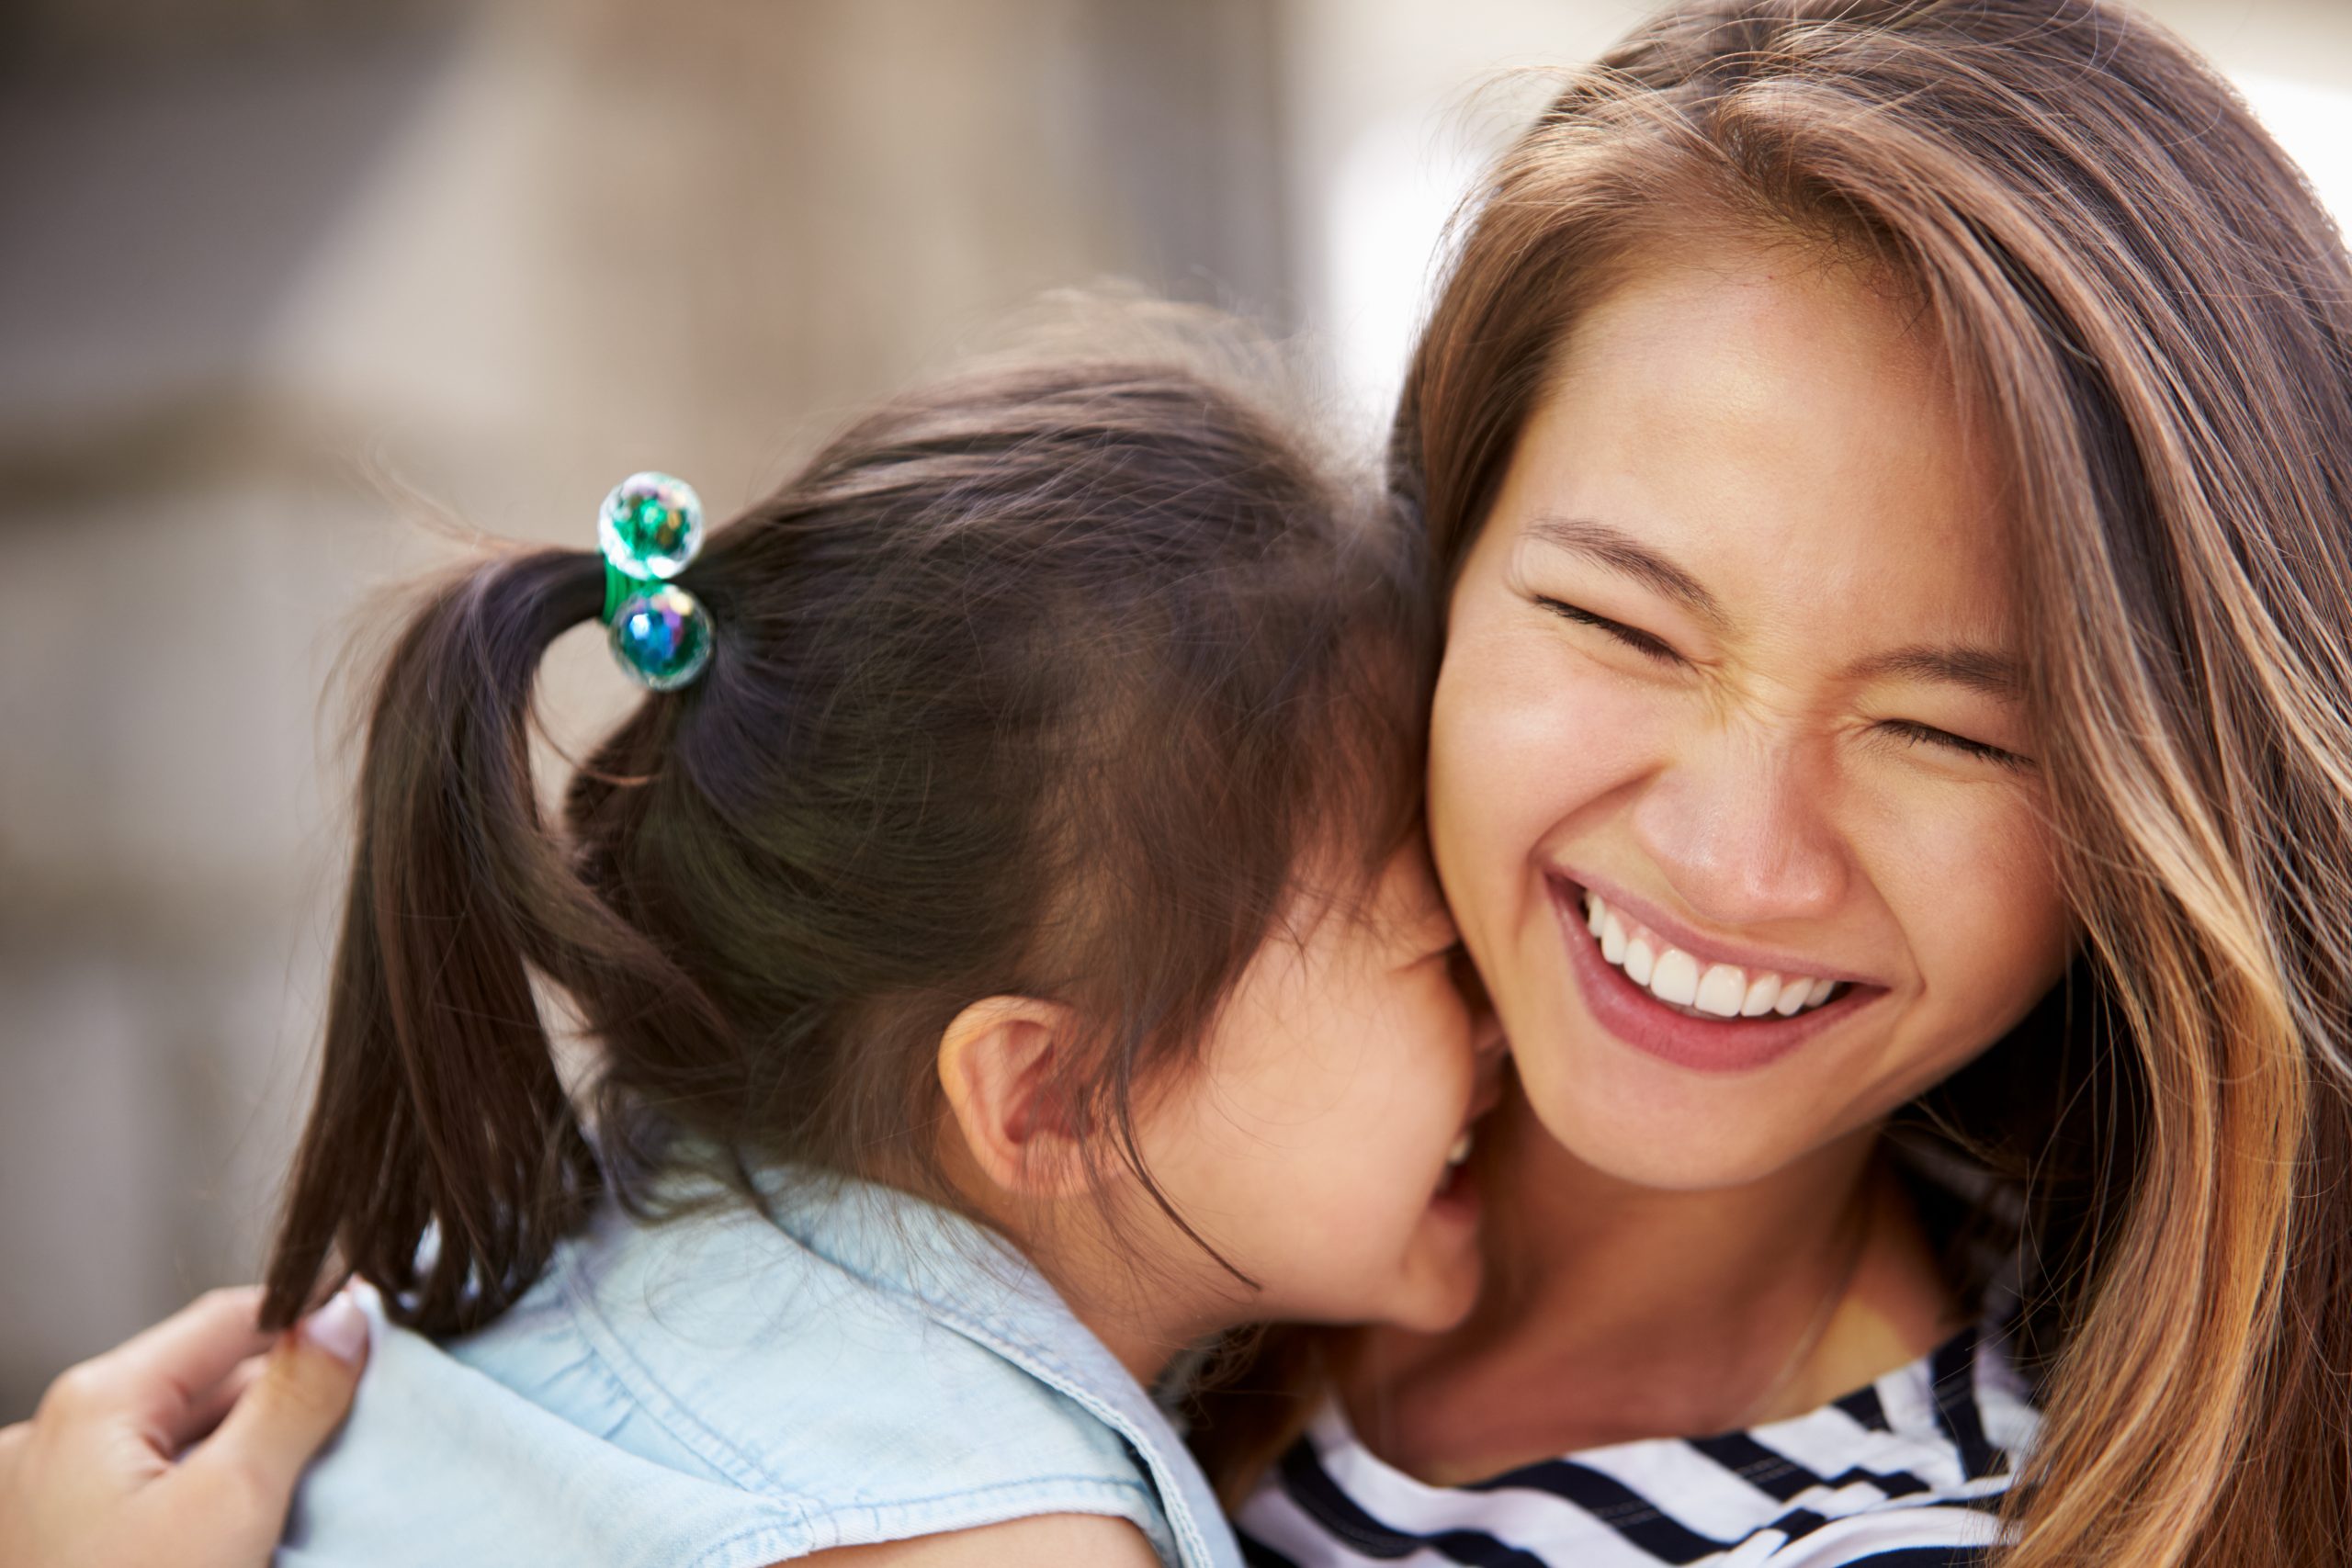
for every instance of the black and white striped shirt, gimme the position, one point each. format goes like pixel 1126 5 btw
pixel 1906 1473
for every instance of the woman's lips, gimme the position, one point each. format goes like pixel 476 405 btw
pixel 1702 1044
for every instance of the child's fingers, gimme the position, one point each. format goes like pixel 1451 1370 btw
pixel 247 1469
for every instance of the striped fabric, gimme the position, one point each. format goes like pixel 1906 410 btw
pixel 1907 1473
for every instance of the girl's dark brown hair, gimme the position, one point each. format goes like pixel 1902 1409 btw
pixel 2152 317
pixel 1049 679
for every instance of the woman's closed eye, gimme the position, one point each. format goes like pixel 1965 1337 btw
pixel 1910 732
pixel 1644 643
pixel 1907 732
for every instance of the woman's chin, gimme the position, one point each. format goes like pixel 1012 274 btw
pixel 1437 1305
pixel 1630 1121
pixel 1438 1285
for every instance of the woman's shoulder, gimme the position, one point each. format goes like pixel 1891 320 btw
pixel 1909 1471
pixel 1051 1540
pixel 736 1387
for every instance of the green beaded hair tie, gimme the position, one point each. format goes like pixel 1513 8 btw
pixel 650 527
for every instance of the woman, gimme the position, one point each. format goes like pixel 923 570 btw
pixel 1884 462
pixel 92 1478
pixel 1887 467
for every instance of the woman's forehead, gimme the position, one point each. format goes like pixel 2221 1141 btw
pixel 1770 430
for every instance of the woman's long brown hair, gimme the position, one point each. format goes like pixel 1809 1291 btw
pixel 1047 680
pixel 2152 316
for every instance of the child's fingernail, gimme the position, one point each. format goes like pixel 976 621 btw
pixel 339 1328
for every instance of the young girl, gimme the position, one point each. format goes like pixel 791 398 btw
pixel 1037 859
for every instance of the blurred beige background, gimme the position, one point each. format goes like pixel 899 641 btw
pixel 263 262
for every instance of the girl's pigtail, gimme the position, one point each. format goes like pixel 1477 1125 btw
pixel 443 1159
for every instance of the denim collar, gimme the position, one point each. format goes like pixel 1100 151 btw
pixel 971 1281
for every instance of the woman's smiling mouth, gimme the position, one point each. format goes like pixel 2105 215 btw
pixel 1695 1009
pixel 1681 981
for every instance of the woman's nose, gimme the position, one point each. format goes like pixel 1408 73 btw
pixel 1746 833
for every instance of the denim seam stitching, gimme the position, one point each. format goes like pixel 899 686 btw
pixel 646 1393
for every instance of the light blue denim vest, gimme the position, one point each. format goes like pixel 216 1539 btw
pixel 731 1389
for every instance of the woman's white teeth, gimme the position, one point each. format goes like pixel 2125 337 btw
pixel 1722 989
pixel 1719 990
pixel 1675 978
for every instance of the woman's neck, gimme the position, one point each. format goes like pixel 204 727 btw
pixel 1613 1312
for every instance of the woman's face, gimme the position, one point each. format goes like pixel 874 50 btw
pixel 1736 656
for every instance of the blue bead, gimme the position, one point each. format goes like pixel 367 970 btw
pixel 663 638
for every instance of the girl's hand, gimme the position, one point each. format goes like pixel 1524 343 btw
pixel 179 1446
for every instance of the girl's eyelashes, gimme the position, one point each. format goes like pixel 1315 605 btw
pixel 1467 981
pixel 1447 960
pixel 1640 641
pixel 1912 733
pixel 1449 954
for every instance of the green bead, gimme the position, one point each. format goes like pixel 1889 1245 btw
pixel 662 638
pixel 650 527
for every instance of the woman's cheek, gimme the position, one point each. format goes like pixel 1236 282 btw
pixel 1520 746
pixel 1523 766
pixel 1970 878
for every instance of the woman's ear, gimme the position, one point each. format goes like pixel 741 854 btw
pixel 1001 1062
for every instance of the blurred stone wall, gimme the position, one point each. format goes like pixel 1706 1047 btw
pixel 274 278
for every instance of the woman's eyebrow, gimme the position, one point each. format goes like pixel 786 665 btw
pixel 1624 554
pixel 1978 668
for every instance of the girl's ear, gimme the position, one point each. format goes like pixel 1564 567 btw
pixel 1000 1062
